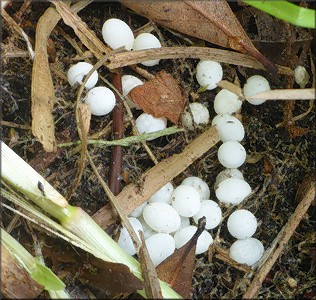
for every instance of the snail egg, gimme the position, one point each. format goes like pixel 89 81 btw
pixel 209 73
pixel 76 73
pixel 160 246
pixel 211 211
pixel 227 173
pixel 116 33
pixel 232 190
pixel 256 84
pixel 163 195
pixel 147 123
pixel 200 185
pixel 226 102
pixel 248 251
pixel 186 200
pixel 200 113
pixel 230 129
pixel 101 100
pixel 138 211
pixel 161 217
pixel 231 154
pixel 242 224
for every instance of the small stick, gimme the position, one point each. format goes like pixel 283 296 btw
pixel 118 133
pixel 286 94
pixel 14 125
pixel 306 195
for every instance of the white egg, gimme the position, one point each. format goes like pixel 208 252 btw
pixel 301 76
pixel 220 118
pixel 147 230
pixel 211 211
pixel 116 33
pixel 128 83
pixel 147 41
pixel 138 211
pixel 101 100
pixel 200 113
pixel 186 200
pixel 183 235
pixel 161 217
pixel 248 251
pixel 227 173
pixel 256 84
pixel 147 123
pixel 163 195
pixel 226 102
pixel 199 184
pixel 160 246
pixel 185 222
pixel 232 190
pixel 229 129
pixel 242 224
pixel 76 73
pixel 125 241
pixel 209 73
pixel 231 154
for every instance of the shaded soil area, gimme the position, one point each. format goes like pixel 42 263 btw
pixel 280 143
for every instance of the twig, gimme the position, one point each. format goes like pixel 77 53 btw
pixel 286 94
pixel 115 175
pixel 306 195
pixel 155 178
pixel 14 125
pixel 225 56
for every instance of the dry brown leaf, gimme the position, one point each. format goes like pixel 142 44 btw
pixel 177 269
pixel 160 97
pixel 212 21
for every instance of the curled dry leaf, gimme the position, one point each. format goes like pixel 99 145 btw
pixel 160 97
pixel 212 21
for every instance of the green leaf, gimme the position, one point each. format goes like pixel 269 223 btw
pixel 45 277
pixel 286 11
pixel 202 89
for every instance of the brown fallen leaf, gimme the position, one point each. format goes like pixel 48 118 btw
pixel 213 21
pixel 177 269
pixel 160 97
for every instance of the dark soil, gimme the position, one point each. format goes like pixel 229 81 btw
pixel 278 156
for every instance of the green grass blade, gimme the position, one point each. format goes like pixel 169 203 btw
pixel 286 11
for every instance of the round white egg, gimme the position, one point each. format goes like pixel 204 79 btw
pixel 232 190
pixel 211 211
pixel 186 200
pixel 138 211
pixel 226 102
pixel 101 100
pixel 220 118
pixel 160 246
pixel 125 241
pixel 256 84
pixel 248 251
pixel 242 224
pixel 183 235
pixel 116 33
pixel 76 73
pixel 231 154
pixel 128 83
pixel 209 73
pixel 200 113
pixel 163 195
pixel 161 217
pixel 199 184
pixel 147 41
pixel 227 173
pixel 185 222
pixel 147 123
pixel 230 129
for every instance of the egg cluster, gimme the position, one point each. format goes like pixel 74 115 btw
pixel 230 185
pixel 165 219
pixel 101 100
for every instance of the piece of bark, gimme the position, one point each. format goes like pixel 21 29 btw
pixel 155 178
pixel 16 283
pixel 212 21
pixel 160 97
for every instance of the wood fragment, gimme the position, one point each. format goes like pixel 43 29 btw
pixel 223 56
pixel 152 285
pixel 286 94
pixel 305 196
pixel 115 175
pixel 155 178
pixel 224 84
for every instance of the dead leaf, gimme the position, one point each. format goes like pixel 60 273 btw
pixel 177 269
pixel 152 285
pixel 160 97
pixel 212 21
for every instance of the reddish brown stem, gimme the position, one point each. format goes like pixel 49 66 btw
pixel 118 133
